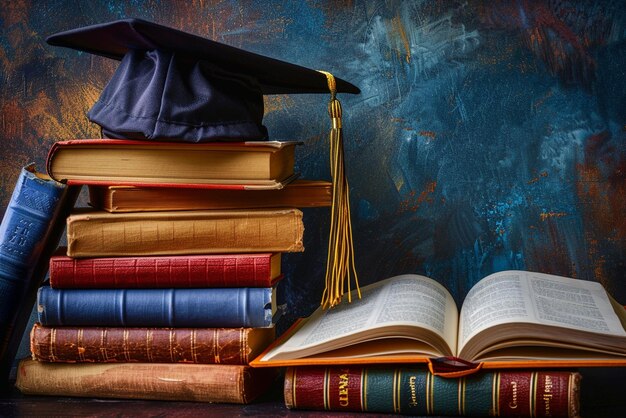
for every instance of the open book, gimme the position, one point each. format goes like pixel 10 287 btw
pixel 506 317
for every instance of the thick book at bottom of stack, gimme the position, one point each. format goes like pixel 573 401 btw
pixel 416 391
pixel 158 381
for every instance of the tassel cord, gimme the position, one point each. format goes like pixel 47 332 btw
pixel 340 263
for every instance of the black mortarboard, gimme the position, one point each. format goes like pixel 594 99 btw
pixel 175 86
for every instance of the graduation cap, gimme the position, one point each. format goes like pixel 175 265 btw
pixel 175 86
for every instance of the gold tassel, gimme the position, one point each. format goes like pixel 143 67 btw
pixel 340 262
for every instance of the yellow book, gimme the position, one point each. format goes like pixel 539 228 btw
pixel 93 233
pixel 259 164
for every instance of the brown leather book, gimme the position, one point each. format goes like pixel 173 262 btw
pixel 156 381
pixel 297 194
pixel 101 234
pixel 148 345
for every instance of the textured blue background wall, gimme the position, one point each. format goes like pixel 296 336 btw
pixel 488 135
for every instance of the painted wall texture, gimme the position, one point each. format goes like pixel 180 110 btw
pixel 489 135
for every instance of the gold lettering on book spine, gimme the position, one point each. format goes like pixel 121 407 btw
pixel 344 381
pixel 547 395
pixel 413 391
pixel 513 401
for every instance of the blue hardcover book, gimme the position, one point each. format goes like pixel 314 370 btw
pixel 31 228
pixel 212 307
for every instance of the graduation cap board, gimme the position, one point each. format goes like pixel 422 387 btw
pixel 172 85
pixel 175 86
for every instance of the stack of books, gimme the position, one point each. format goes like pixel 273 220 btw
pixel 168 295
pixel 154 296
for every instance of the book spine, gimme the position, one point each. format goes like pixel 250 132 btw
pixel 416 391
pixel 236 270
pixel 22 230
pixel 154 381
pixel 203 308
pixel 102 234
pixel 30 231
pixel 148 345
pixel 297 194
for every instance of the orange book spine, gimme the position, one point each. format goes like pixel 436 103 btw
pixel 154 381
pixel 297 194
pixel 103 234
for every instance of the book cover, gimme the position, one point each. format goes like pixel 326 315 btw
pixel 415 391
pixel 225 383
pixel 297 194
pixel 251 307
pixel 148 345
pixel 30 230
pixel 220 270
pixel 102 234
pixel 260 164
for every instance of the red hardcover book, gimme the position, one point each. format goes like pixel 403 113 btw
pixel 227 270
pixel 415 391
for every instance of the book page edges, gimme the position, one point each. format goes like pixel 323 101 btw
pixel 412 359
pixel 210 184
pixel 152 144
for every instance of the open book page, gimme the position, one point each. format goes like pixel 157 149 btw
pixel 408 300
pixel 519 296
